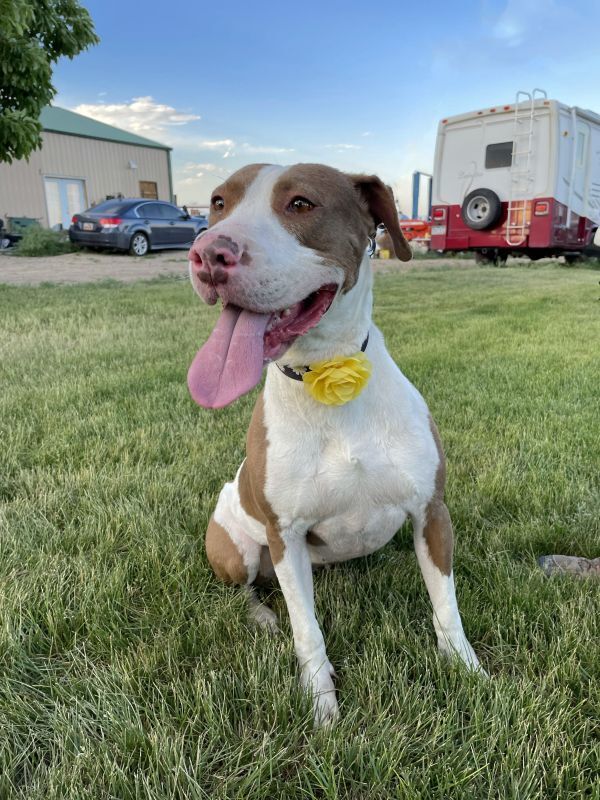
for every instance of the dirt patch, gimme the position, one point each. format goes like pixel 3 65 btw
pixel 90 267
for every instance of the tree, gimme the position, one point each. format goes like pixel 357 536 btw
pixel 34 34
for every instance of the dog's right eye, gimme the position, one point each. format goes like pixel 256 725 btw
pixel 218 203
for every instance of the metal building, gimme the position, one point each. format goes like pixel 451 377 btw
pixel 82 162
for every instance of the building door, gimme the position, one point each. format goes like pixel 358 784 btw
pixel 64 197
pixel 149 190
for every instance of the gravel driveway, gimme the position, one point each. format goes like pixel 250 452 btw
pixel 90 267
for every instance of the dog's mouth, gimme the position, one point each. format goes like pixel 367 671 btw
pixel 231 362
pixel 285 326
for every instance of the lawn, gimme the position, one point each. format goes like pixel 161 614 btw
pixel 128 671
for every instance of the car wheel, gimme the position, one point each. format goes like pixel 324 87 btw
pixel 139 244
pixel 481 209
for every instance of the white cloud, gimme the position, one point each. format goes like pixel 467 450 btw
pixel 191 167
pixel 195 190
pixel 520 18
pixel 146 117
pixel 230 148
pixel 141 115
pixel 200 170
pixel 217 144
pixel 341 147
pixel 226 145
pixel 253 148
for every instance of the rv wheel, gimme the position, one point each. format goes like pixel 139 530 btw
pixel 572 258
pixel 491 258
pixel 481 209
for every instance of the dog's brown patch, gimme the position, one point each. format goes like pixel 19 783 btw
pixel 438 525
pixel 440 475
pixel 224 557
pixel 253 478
pixel 338 226
pixel 439 537
pixel 232 192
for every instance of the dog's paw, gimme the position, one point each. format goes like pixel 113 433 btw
pixel 259 613
pixel 318 682
pixel 460 651
pixel 265 618
pixel 325 709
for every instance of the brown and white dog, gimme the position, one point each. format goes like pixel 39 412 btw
pixel 286 254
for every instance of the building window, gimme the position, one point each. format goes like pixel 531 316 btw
pixel 149 190
pixel 498 155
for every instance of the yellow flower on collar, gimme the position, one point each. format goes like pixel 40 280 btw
pixel 338 380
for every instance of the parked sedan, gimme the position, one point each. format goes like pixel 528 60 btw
pixel 135 225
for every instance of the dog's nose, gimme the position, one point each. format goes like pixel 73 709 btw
pixel 213 258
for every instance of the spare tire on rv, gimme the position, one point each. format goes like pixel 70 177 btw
pixel 481 209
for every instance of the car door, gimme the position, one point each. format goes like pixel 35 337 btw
pixel 181 229
pixel 154 221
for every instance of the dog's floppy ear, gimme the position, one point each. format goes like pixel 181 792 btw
pixel 380 201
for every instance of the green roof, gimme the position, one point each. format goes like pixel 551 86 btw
pixel 59 120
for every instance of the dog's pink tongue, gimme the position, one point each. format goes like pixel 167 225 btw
pixel 231 361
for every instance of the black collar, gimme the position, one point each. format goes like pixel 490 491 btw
pixel 298 373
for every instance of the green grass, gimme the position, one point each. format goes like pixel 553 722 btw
pixel 128 671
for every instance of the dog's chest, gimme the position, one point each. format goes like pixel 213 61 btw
pixel 361 496
pixel 356 468
pixel 351 481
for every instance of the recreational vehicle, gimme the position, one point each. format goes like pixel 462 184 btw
pixel 521 179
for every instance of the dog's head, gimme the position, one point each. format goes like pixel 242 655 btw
pixel 282 244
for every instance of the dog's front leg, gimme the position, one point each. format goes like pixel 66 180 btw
pixel 434 542
pixel 294 572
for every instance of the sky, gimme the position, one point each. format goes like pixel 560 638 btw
pixel 360 87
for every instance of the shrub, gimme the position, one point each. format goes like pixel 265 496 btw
pixel 43 242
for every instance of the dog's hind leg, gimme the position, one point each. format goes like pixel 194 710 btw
pixel 260 613
pixel 237 559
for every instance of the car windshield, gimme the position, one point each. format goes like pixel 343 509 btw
pixel 110 207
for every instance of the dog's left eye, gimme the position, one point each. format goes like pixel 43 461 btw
pixel 300 205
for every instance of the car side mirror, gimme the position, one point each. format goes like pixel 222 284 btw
pixel 185 216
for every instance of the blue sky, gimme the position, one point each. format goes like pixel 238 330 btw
pixel 356 86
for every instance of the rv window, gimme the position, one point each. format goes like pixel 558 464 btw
pixel 498 155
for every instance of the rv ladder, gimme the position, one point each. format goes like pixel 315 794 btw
pixel 521 176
